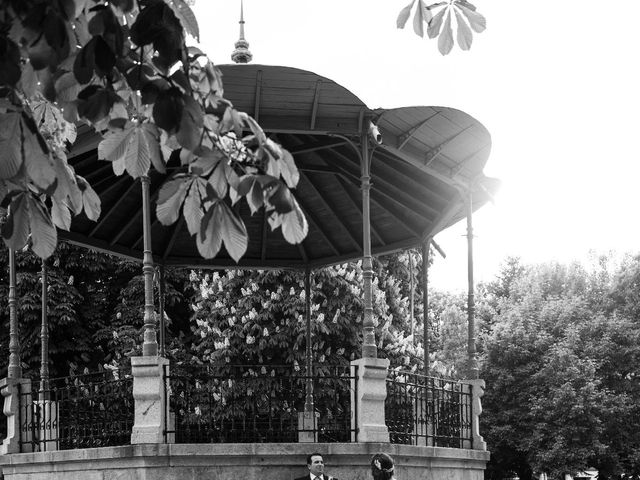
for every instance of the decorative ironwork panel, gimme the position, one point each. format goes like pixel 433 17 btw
pixel 431 411
pixel 81 411
pixel 256 404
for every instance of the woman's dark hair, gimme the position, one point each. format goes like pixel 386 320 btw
pixel 382 466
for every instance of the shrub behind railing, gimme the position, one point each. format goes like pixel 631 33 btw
pixel 79 411
pixel 256 404
pixel 429 411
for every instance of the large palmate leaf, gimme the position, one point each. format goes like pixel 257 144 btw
pixel 61 215
pixel 10 144
pixel 294 225
pixel 136 145
pixel 440 25
pixel 90 199
pixel 170 199
pixel 15 230
pixel 477 22
pixel 187 17
pixel 423 16
pixel 113 147
pixel 234 232
pixel 464 36
pixel 137 158
pixel 445 40
pixel 38 163
pixel 67 190
pixel 404 15
pixel 209 240
pixel 193 205
pixel 43 233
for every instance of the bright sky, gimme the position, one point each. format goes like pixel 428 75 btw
pixel 556 83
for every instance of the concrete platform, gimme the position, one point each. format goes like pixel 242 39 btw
pixel 283 461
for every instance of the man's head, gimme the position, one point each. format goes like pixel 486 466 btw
pixel 315 463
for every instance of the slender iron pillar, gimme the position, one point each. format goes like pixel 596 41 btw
pixel 44 332
pixel 308 404
pixel 150 342
pixel 368 335
pixel 161 293
pixel 15 369
pixel 411 296
pixel 471 346
pixel 425 300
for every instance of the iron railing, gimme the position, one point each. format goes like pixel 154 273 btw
pixel 258 404
pixel 80 411
pixel 428 411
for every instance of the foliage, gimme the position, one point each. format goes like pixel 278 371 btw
pixel 440 24
pixel 123 67
pixel 560 363
pixel 95 304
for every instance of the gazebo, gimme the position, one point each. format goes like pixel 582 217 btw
pixel 373 181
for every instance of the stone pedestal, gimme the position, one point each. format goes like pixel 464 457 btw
pixel 369 392
pixel 307 432
pixel 150 399
pixel 477 391
pixel 48 431
pixel 11 389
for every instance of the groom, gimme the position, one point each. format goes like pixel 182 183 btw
pixel 315 464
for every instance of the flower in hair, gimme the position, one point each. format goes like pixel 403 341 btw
pixel 378 465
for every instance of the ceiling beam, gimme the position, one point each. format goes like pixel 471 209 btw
pixel 316 99
pixel 403 138
pixel 402 177
pixel 356 201
pixel 136 216
pixel 332 208
pixel 445 218
pixel 98 171
pixel 400 197
pixel 256 103
pixel 437 150
pixel 117 183
pixel 315 146
pixel 443 174
pixel 264 235
pixel 177 226
pixel 313 220
pixel 115 207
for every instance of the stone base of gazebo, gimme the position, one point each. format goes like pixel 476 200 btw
pixel 283 461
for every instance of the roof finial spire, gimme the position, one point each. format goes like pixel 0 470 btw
pixel 241 54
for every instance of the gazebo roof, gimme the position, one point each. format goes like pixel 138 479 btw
pixel 427 156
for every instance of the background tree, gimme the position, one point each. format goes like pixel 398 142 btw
pixel 561 394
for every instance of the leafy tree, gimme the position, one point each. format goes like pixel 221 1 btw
pixel 561 372
pixel 124 68
pixel 94 309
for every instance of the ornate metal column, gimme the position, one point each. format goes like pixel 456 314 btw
pixel 308 404
pixel 369 373
pixel 44 332
pixel 15 369
pixel 369 349
pixel 150 342
pixel 471 340
pixel 425 300
pixel 411 296
pixel 162 326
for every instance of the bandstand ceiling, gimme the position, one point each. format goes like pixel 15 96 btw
pixel 427 157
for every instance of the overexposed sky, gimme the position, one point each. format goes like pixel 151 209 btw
pixel 556 83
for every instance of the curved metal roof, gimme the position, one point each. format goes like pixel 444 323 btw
pixel 427 155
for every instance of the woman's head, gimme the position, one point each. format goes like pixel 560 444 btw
pixel 382 466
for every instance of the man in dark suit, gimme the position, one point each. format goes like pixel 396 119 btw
pixel 315 464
